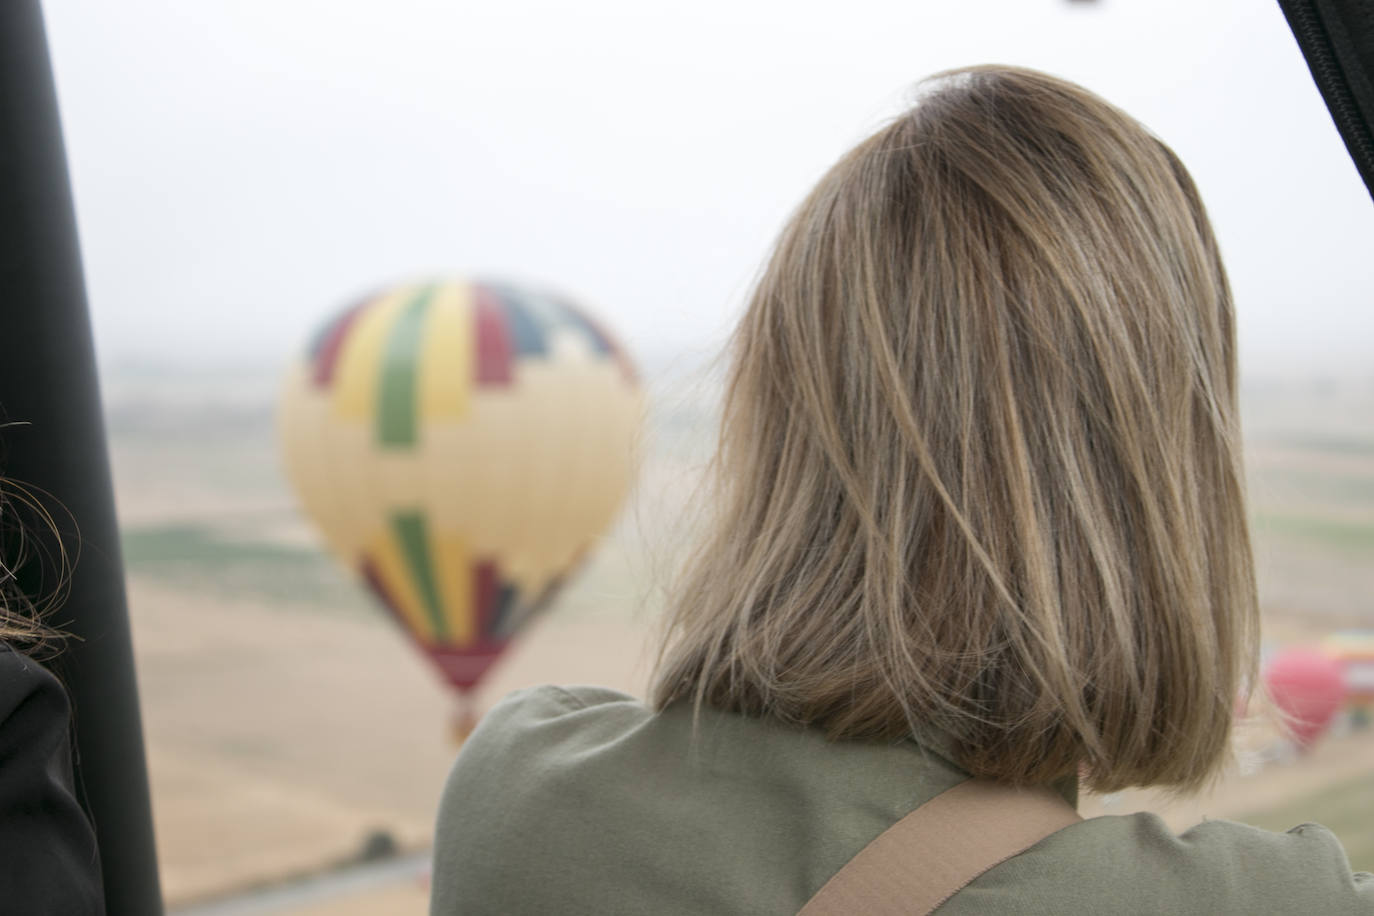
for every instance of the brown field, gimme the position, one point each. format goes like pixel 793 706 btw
pixel 287 721
pixel 278 740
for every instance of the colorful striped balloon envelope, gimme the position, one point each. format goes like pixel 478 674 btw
pixel 1354 649
pixel 461 446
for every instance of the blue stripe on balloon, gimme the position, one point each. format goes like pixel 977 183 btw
pixel 525 329
pixel 502 614
pixel 575 318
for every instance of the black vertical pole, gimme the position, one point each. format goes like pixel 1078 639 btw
pixel 48 381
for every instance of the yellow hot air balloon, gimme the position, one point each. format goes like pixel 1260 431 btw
pixel 461 445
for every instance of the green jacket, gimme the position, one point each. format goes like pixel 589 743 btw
pixel 582 801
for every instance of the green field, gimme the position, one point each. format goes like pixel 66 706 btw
pixel 1347 809
pixel 1323 532
pixel 209 501
pixel 197 558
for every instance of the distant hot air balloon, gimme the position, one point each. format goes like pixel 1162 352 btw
pixel 461 445
pixel 1308 686
pixel 1354 651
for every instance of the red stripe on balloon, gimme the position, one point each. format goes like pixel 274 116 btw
pixel 332 345
pixel 373 578
pixel 493 341
pixel 463 668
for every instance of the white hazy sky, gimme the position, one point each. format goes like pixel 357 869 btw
pixel 244 167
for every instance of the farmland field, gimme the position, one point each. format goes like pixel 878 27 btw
pixel 287 721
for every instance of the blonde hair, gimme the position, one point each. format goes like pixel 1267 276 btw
pixel 979 470
pixel 30 535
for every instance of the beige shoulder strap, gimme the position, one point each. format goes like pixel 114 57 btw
pixel 922 860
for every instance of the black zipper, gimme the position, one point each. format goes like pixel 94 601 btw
pixel 1331 80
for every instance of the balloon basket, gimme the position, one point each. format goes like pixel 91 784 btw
pixel 463 722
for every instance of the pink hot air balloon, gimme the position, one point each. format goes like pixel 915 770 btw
pixel 1309 687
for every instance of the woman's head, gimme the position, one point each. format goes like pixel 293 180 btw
pixel 980 464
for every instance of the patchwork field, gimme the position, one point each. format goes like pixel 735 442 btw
pixel 289 725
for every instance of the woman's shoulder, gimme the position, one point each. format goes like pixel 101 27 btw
pixel 543 775
pixel 573 778
pixel 547 702
pixel 31 698
pixel 1138 864
pixel 49 847
pixel 19 673
pixel 536 734
pixel 543 721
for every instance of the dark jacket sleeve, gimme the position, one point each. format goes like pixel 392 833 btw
pixel 49 861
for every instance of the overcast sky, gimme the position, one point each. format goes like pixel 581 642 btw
pixel 244 167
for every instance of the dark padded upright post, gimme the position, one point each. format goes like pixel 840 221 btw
pixel 48 383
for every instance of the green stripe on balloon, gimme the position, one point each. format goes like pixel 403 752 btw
pixel 411 534
pixel 397 404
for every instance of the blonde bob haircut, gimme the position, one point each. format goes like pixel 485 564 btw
pixel 979 473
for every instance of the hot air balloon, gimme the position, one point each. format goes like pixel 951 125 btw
pixel 461 445
pixel 1308 686
pixel 1354 651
